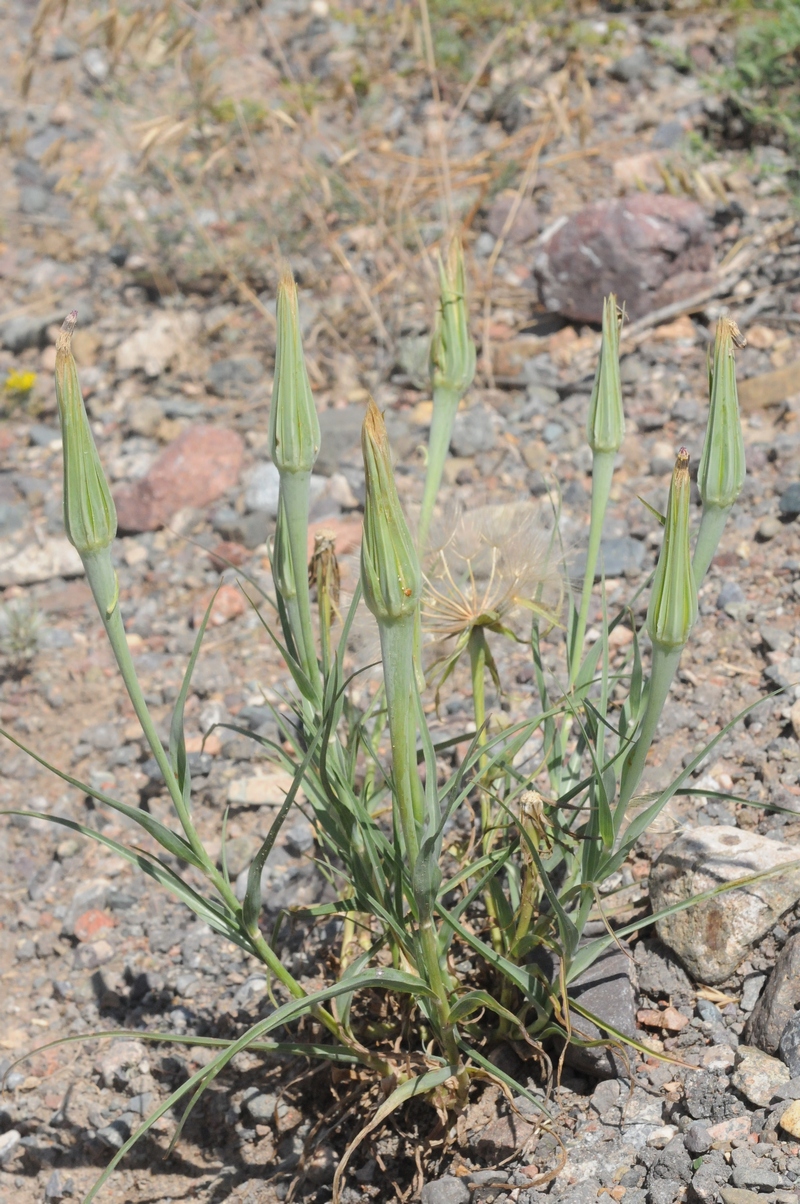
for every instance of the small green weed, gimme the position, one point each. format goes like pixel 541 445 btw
pixel 765 79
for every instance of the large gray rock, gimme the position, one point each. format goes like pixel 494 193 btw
pixel 780 1000
pixel 789 1047
pixel 650 250
pixel 447 1190
pixel 712 937
pixel 27 331
pixel 607 990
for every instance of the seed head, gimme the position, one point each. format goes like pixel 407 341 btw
pixel 390 572
pixel 605 427
pixel 294 435
pixel 722 467
pixel 673 602
pixel 90 519
pixel 495 562
pixel 452 357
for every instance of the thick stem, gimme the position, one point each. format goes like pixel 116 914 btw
pixel 712 524
pixel 445 407
pixel 602 476
pixel 295 491
pixel 433 973
pixel 665 664
pixel 397 652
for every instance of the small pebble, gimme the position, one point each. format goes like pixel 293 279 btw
pixel 661 1137
pixel 768 528
pixel 697 1139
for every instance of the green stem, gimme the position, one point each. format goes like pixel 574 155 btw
pixel 665 664
pixel 602 476
pixel 445 408
pixel 433 972
pixel 397 652
pixel 477 664
pixel 104 585
pixel 295 491
pixel 712 524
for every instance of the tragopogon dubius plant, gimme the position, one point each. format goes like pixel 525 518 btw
pixel 553 794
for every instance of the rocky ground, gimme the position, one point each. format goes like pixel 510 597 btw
pixel 156 168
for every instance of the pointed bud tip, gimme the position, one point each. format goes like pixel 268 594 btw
pixel 64 339
pixel 287 278
pixel 727 328
pixel 374 425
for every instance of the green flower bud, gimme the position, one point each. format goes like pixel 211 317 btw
pixel 390 572
pixel 722 468
pixel 90 519
pixel 605 427
pixel 452 356
pixel 293 423
pixel 673 602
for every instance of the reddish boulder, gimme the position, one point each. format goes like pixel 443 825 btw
pixel 202 464
pixel 649 250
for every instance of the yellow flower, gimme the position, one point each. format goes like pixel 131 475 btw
pixel 19 383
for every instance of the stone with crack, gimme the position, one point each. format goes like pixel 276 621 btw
pixel 713 936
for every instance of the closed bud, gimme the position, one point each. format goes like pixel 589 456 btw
pixel 293 423
pixel 605 427
pixel 452 357
pixel 90 519
pixel 673 602
pixel 390 572
pixel 722 468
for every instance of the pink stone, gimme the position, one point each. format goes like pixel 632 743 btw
pixel 202 464
pixel 737 1129
pixel 650 250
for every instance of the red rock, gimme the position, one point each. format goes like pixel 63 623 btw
pixel 649 250
pixel 91 923
pixel 201 464
pixel 227 553
pixel 345 531
pixel 228 604
pixel 737 1129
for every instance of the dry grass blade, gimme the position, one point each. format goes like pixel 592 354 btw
pixel 526 186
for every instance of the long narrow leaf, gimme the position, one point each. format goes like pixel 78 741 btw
pixel 393 980
pixel 169 840
pixel 177 736
pixel 251 907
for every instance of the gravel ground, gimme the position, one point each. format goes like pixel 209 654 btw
pixel 152 183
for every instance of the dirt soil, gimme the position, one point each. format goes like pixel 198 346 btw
pixel 158 163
